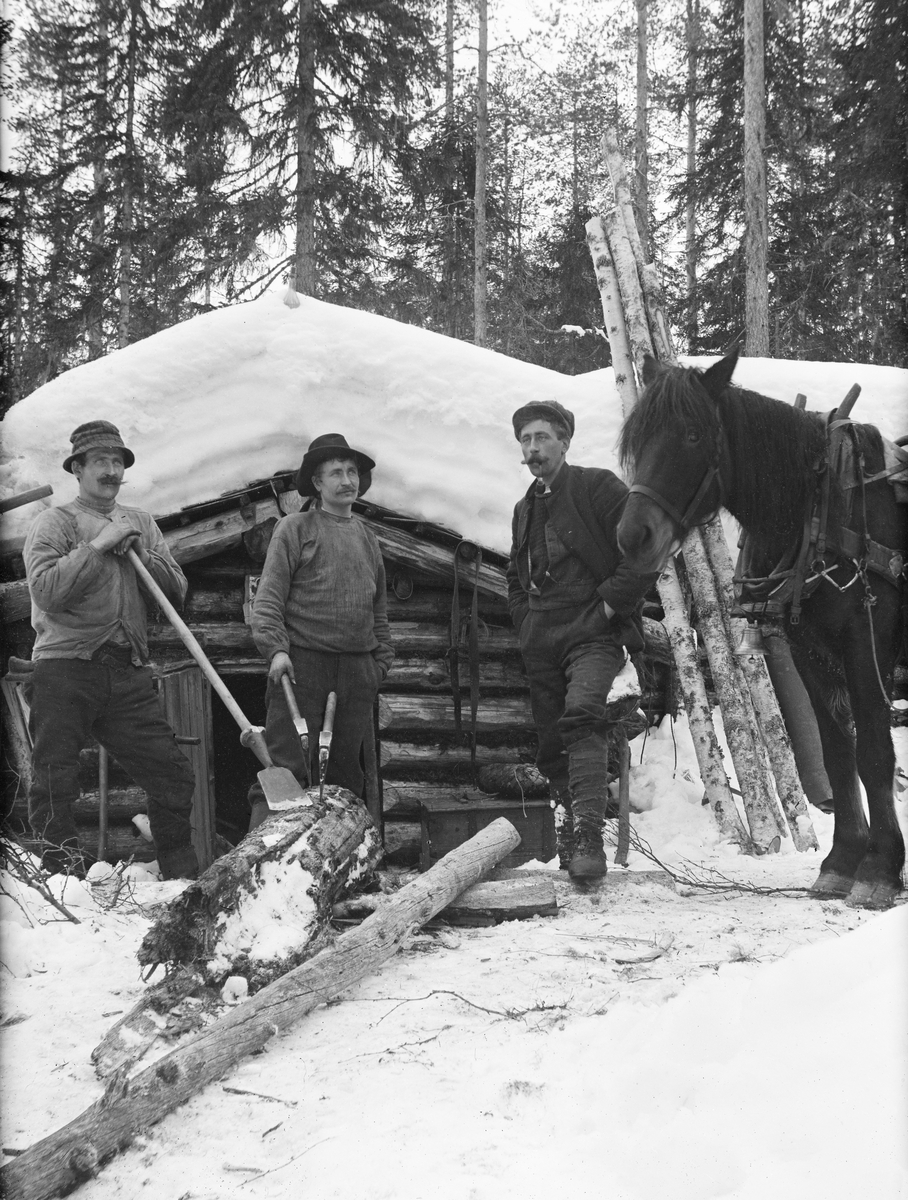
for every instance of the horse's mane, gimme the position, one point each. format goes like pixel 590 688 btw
pixel 774 446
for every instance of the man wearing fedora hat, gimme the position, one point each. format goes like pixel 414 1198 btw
pixel 320 616
pixel 91 647
pixel 576 607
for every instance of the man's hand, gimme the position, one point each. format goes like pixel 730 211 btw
pixel 113 537
pixel 281 665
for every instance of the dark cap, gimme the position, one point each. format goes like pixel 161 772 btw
pixel 328 446
pixel 542 410
pixel 96 435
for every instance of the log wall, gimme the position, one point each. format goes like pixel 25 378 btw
pixel 421 754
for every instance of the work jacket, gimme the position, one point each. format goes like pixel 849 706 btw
pixel 584 507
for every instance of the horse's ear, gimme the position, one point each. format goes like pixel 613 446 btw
pixel 718 377
pixel 650 369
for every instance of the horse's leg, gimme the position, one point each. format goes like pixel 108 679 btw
pixel 851 835
pixel 878 878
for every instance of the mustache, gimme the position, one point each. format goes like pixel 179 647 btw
pixel 109 479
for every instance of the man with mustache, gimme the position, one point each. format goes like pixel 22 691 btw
pixel 576 607
pixel 90 655
pixel 320 616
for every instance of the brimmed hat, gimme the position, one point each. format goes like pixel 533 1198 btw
pixel 96 435
pixel 321 449
pixel 542 410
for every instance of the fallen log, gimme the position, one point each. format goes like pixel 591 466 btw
pixel 75 1153
pixel 256 913
pixel 525 894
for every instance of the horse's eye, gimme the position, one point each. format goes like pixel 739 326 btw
pixel 693 435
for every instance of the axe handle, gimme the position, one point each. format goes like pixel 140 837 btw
pixel 330 709
pixel 290 697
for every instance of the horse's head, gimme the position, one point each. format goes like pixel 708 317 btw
pixel 672 443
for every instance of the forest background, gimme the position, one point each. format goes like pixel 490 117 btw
pixel 166 157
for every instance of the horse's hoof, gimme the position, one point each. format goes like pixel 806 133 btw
pixel 872 895
pixel 831 885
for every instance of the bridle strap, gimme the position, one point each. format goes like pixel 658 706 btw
pixel 684 520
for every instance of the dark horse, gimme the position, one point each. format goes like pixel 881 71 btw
pixel 694 444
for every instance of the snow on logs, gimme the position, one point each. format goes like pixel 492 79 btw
pixel 255 914
pixel 75 1153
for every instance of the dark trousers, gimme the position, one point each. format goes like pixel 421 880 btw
pixel 355 679
pixel 572 657
pixel 72 698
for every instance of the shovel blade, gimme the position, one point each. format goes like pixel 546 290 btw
pixel 282 790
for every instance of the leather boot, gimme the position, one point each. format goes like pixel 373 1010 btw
pixel 588 767
pixel 564 826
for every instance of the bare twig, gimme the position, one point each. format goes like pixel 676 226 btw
pixel 699 876
pixel 18 862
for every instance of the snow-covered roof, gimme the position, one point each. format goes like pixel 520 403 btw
pixel 237 395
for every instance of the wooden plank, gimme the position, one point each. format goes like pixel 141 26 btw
pixel 18 743
pixel 186 696
pixel 406 799
pixel 201 539
pixel 492 901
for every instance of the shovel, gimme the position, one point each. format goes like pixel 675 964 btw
pixel 279 785
pixel 299 723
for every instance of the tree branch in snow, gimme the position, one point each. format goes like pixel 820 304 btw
pixel 21 866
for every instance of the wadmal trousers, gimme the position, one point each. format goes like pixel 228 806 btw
pixel 355 679
pixel 72 699
pixel 572 657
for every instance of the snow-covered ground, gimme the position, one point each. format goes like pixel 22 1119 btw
pixel 652 1040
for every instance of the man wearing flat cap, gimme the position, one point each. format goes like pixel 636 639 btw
pixel 320 616
pixel 90 654
pixel 576 607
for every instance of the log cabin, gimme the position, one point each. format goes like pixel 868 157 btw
pixel 453 741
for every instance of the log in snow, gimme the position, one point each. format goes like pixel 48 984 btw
pixel 257 912
pixel 71 1155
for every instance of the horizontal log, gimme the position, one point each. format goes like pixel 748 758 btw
pixel 405 800
pixel 493 901
pixel 404 758
pixel 522 780
pixel 432 674
pixel 201 539
pixel 398 546
pixel 401 712
pixel 434 604
pixel 121 845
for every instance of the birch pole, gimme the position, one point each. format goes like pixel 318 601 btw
pixel 681 636
pixel 771 747
pixel 616 331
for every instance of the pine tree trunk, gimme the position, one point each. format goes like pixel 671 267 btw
pixel 690 208
pixel 304 268
pixel 480 251
pixel 756 232
pixel 129 170
pixel 641 132
pixel 95 313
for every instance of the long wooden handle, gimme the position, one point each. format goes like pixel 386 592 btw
pixel 330 709
pixel 189 641
pixel 290 697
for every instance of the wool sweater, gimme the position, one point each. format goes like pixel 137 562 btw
pixel 82 598
pixel 322 588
